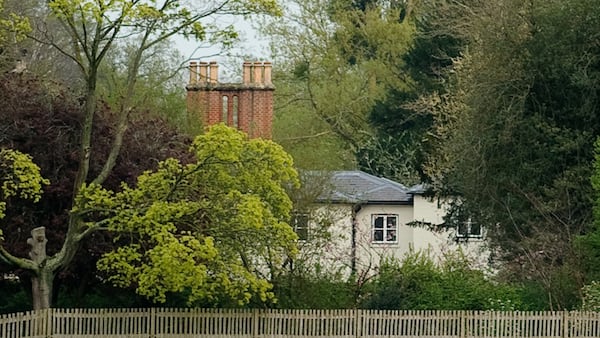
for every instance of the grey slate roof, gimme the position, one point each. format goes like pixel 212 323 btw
pixel 359 187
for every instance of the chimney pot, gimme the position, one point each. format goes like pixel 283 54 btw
pixel 267 76
pixel 258 68
pixel 247 73
pixel 214 72
pixel 193 72
pixel 203 72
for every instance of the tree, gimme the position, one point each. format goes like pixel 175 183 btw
pixel 401 140
pixel 339 62
pixel 417 282
pixel 20 177
pixel 589 243
pixel 216 227
pixel 516 132
pixel 302 133
pixel 13 28
pixel 40 118
pixel 93 28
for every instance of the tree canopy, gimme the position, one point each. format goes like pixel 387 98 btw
pixel 19 177
pixel 216 227
pixel 86 33
pixel 515 131
pixel 338 63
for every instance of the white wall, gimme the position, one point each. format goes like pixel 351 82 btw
pixel 429 210
pixel 329 246
pixel 335 254
pixel 369 254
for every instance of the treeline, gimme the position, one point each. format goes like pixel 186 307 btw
pixel 494 104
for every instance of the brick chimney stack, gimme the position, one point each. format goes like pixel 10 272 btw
pixel 247 106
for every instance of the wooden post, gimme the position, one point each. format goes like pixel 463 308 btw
pixel 255 322
pixel 357 323
pixel 565 324
pixel 152 323
pixel 463 323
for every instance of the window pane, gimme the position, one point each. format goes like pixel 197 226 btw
pixel 302 233
pixel 475 230
pixel 379 222
pixel 378 235
pixel 463 229
pixel 391 222
pixel 300 224
pixel 391 236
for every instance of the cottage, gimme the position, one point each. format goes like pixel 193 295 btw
pixel 352 219
pixel 365 219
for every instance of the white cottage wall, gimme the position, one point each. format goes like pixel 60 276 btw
pixel 370 253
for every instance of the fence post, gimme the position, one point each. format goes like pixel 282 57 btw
pixel 255 321
pixel 357 323
pixel 48 325
pixel 463 323
pixel 152 323
pixel 565 324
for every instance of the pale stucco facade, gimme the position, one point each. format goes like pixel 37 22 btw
pixel 362 232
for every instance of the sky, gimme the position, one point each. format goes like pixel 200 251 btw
pixel 251 44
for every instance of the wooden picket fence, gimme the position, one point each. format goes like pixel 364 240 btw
pixel 174 323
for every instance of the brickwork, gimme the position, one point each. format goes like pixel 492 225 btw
pixel 247 106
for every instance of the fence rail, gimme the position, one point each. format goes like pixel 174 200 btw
pixel 175 323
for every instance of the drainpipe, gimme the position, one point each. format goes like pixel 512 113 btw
pixel 355 209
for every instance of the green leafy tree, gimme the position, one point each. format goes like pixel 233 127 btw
pixel 216 228
pixel 13 28
pixel 303 134
pixel 339 62
pixel 401 140
pixel 158 90
pixel 19 177
pixel 11 24
pixel 93 28
pixel 516 131
pixel 589 244
pixel 419 283
pixel 40 118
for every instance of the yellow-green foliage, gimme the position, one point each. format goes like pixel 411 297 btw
pixel 19 177
pixel 207 227
pixel 165 17
pixel 12 24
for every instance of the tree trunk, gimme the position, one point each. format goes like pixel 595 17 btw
pixel 41 288
pixel 41 282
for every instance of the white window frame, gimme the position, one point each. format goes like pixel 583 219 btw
pixel 298 227
pixel 386 230
pixel 469 225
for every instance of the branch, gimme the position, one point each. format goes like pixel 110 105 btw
pixel 299 138
pixel 22 263
pixel 98 226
